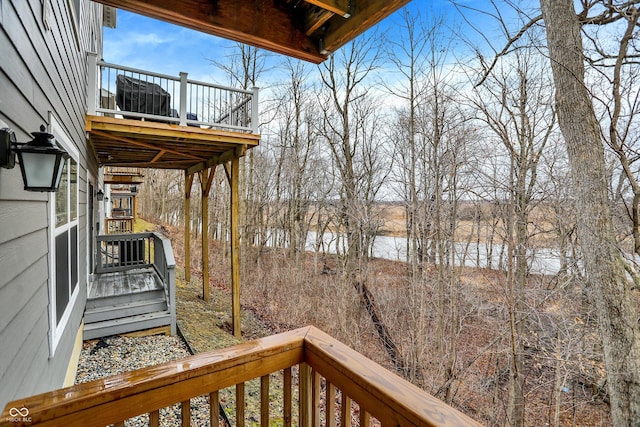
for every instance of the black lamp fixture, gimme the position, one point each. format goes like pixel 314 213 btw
pixel 41 160
pixel 100 195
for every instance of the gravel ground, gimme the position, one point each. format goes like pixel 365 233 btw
pixel 114 355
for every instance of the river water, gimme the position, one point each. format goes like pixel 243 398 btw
pixel 542 261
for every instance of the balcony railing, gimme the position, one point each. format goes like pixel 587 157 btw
pixel 132 93
pixel 124 252
pixel 121 252
pixel 333 380
pixel 119 225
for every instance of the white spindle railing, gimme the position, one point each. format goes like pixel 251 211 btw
pixel 171 99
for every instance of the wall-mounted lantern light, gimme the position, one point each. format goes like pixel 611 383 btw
pixel 41 160
pixel 100 195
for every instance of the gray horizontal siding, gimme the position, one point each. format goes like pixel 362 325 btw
pixel 30 278
pixel 32 215
pixel 41 71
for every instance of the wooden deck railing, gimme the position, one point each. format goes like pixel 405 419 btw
pixel 121 252
pixel 353 387
pixel 118 225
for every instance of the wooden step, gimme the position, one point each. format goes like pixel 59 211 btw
pixel 124 283
pixel 134 308
pixel 126 325
pixel 112 300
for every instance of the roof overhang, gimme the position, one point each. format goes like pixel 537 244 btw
pixel 304 29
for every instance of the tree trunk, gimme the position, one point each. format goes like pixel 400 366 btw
pixel 606 283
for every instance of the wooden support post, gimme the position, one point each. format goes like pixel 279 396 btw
pixel 188 182
pixel 206 178
pixel 235 245
pixel 135 208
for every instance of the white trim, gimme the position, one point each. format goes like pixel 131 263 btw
pixel 56 129
pixel 56 329
pixel 88 225
pixel 54 337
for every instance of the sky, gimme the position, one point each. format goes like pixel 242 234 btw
pixel 153 45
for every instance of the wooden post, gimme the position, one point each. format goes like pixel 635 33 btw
pixel 235 245
pixel 206 178
pixel 188 182
pixel 134 208
pixel 306 410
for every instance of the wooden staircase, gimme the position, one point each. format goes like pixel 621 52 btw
pixel 124 302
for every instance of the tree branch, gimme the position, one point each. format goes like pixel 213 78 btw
pixel 505 50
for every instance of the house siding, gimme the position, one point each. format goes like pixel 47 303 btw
pixel 43 72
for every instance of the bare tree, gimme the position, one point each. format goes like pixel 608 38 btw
pixel 342 94
pixel 515 103
pixel 606 281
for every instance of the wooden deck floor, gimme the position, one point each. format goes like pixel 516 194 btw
pixel 124 283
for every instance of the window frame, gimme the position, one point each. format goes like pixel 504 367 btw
pixel 58 327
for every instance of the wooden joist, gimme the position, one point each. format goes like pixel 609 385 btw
pixel 307 30
pixel 146 144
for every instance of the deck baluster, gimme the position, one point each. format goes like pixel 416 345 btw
pixel 315 397
pixel 365 418
pixel 287 397
pixel 305 395
pixel 240 404
pixel 154 418
pixel 186 413
pixel 264 401
pixel 345 410
pixel 330 405
pixel 214 409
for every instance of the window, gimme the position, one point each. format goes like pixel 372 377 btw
pixel 63 246
pixel 66 238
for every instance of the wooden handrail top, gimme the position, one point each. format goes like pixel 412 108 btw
pixel 55 405
pixel 386 396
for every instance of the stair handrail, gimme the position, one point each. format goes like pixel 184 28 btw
pixel 164 264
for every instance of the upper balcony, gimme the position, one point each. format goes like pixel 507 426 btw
pixel 142 119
